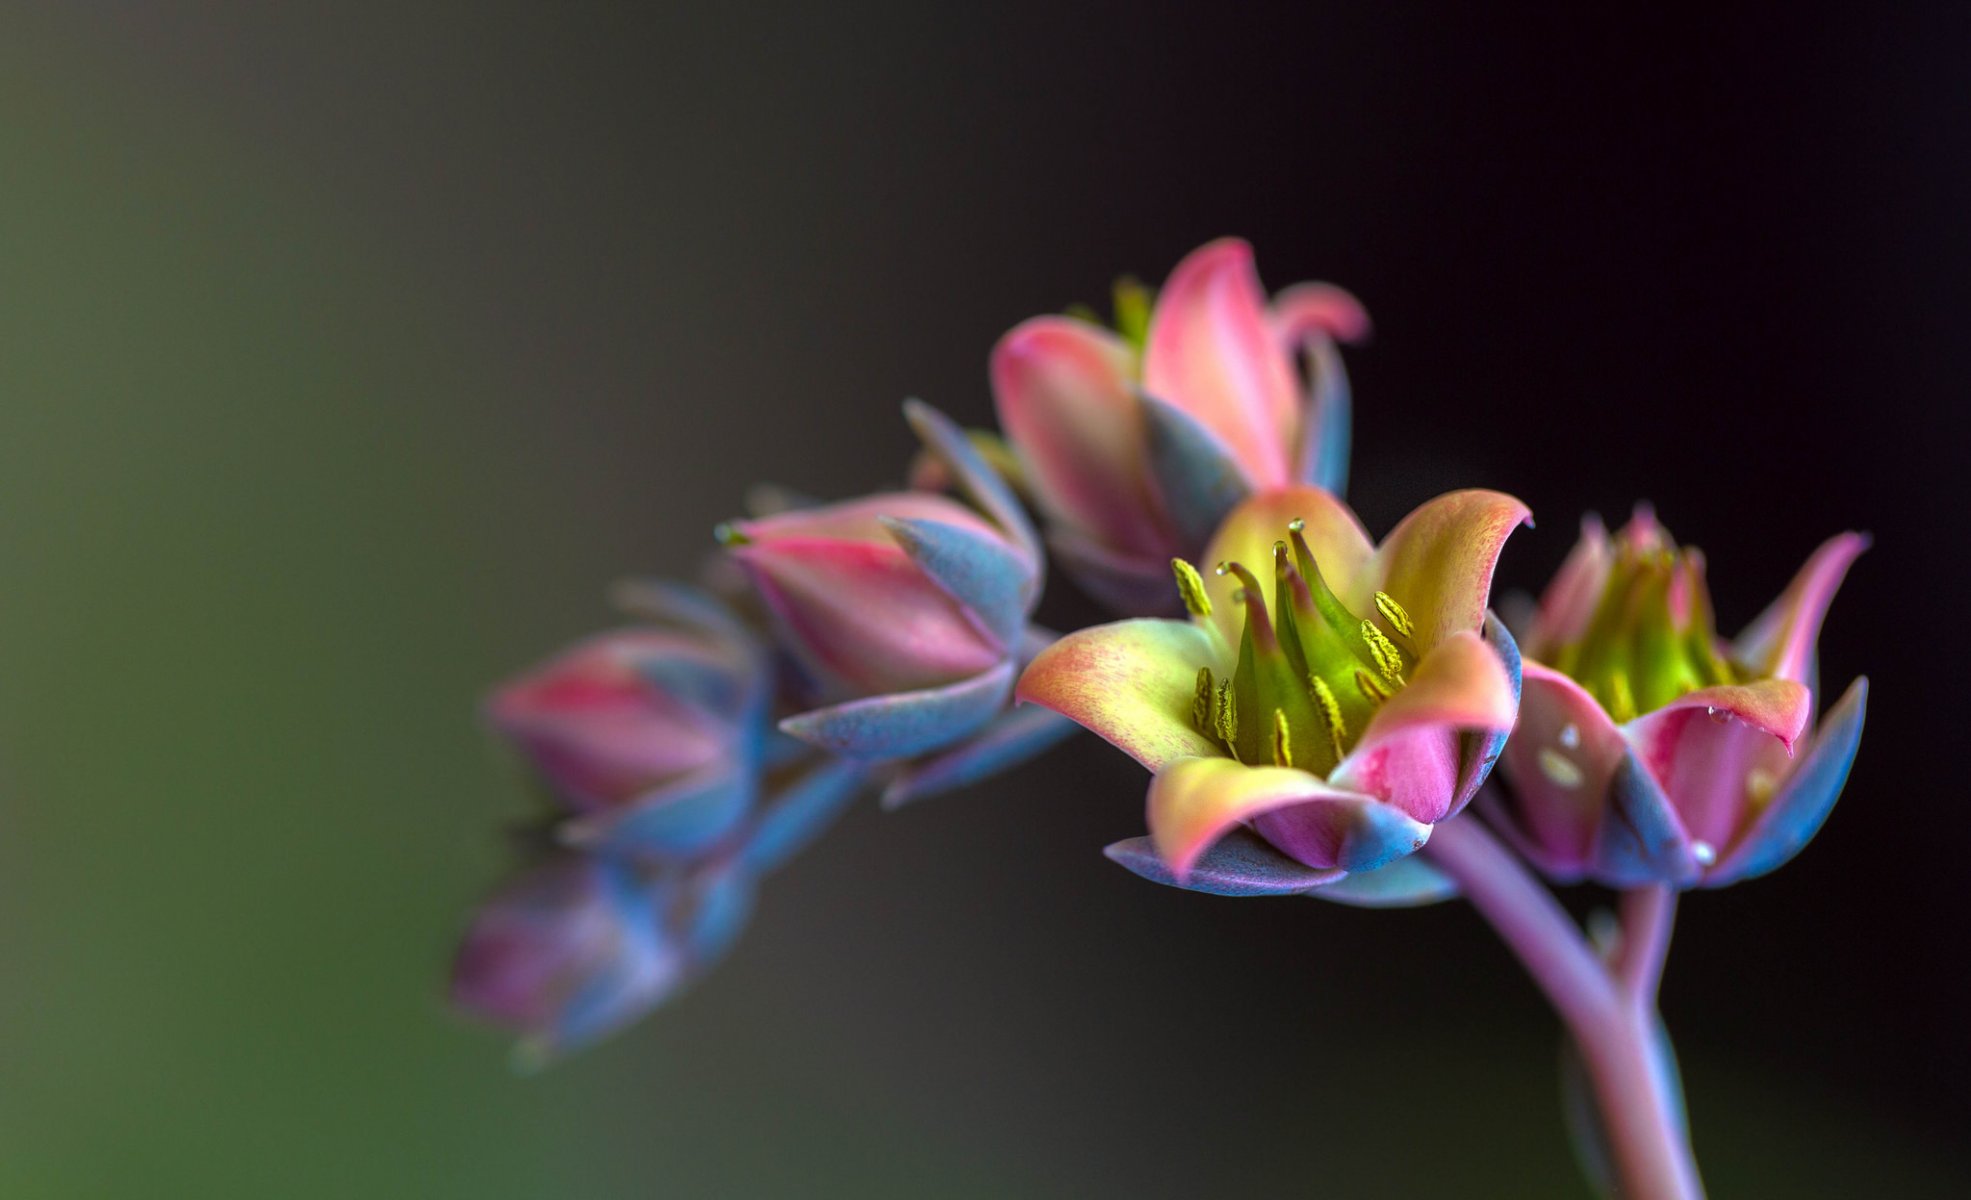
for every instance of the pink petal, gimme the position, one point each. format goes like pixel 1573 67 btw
pixel 1568 604
pixel 865 614
pixel 1705 749
pixel 1460 685
pixel 1195 801
pixel 1781 641
pixel 1131 682
pixel 1317 309
pixel 1340 546
pixel 1212 353
pixel 1065 396
pixel 1559 761
pixel 1437 563
pixel 860 520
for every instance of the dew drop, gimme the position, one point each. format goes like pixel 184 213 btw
pixel 1570 736
pixel 1704 852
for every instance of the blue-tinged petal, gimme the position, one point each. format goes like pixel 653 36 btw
pixel 1806 796
pixel 709 687
pixel 1641 840
pixel 975 476
pixel 721 905
pixel 1010 740
pixel 991 580
pixel 1197 476
pixel 1405 883
pixel 1477 751
pixel 799 811
pixel 904 724
pixel 1238 864
pixel 1326 429
pixel 630 966
pixel 669 600
pixel 674 821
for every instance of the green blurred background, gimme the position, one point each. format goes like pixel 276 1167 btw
pixel 347 353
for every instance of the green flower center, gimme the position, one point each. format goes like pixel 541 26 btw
pixel 1310 672
pixel 1652 638
pixel 1132 304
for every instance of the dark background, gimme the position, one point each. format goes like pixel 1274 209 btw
pixel 347 352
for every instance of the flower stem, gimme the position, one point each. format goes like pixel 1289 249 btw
pixel 1611 1015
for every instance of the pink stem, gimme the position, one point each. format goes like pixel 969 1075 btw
pixel 1615 1033
pixel 1647 916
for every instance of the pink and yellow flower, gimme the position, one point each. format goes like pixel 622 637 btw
pixel 1651 750
pixel 1318 737
pixel 1136 443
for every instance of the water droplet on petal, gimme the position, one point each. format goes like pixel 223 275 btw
pixel 1570 736
pixel 1704 852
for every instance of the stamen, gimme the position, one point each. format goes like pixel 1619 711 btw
pixel 1389 660
pixel 1330 710
pixel 1225 716
pixel 1190 585
pixel 1393 613
pixel 1282 752
pixel 1202 711
pixel 1371 690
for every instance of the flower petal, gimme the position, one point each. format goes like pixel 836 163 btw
pixel 863 613
pixel 903 724
pixel 992 581
pixel 1064 391
pixel 1328 423
pixel 1211 352
pixel 1437 563
pixel 1642 840
pixel 1479 749
pixel 1197 476
pixel 1130 682
pixel 1569 602
pixel 1805 798
pixel 1705 747
pixel 976 478
pixel 1194 801
pixel 1318 310
pixel 674 821
pixel 1780 643
pixel 1239 864
pixel 1341 548
pixel 799 811
pixel 1559 761
pixel 1011 739
pixel 1405 883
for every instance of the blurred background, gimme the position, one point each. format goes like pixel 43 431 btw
pixel 348 351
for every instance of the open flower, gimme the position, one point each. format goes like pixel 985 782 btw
pixel 1327 704
pixel 1649 749
pixel 649 738
pixel 908 610
pixel 1136 443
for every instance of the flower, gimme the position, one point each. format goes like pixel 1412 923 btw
pixel 908 610
pixel 649 738
pixel 1136 443
pixel 1310 743
pixel 1649 749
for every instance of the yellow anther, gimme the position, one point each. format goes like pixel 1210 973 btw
pixel 1330 710
pixel 1202 711
pixel 1225 714
pixel 1389 660
pixel 1398 619
pixel 1282 752
pixel 1190 585
pixel 1760 784
pixel 1371 690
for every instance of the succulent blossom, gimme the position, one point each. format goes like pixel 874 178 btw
pixel 1326 705
pixel 908 610
pixel 1136 442
pixel 1649 749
